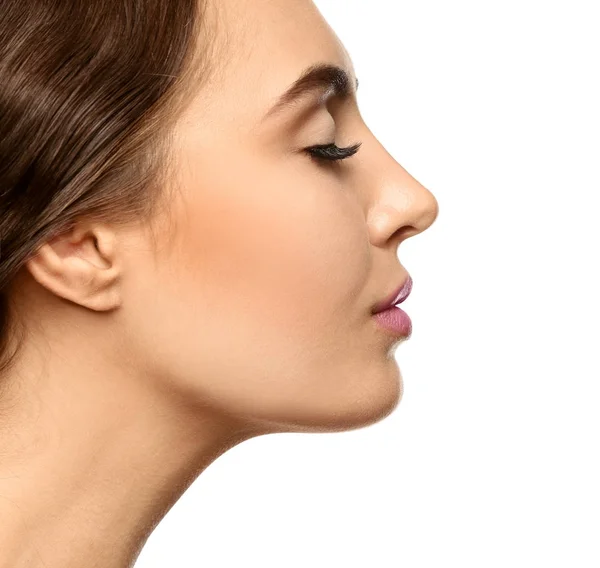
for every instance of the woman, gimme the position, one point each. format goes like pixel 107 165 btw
pixel 187 258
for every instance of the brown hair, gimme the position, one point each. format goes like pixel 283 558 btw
pixel 88 92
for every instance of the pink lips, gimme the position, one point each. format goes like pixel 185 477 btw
pixel 396 297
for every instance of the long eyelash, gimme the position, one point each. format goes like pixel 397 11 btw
pixel 331 152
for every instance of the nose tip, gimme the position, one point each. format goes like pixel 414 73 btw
pixel 430 209
pixel 404 212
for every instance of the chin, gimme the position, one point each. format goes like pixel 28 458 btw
pixel 370 411
pixel 355 410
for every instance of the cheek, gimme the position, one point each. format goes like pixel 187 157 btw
pixel 281 255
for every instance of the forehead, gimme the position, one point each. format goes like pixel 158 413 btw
pixel 261 47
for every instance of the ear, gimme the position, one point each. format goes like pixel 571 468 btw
pixel 81 266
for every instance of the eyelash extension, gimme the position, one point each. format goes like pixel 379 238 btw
pixel 331 152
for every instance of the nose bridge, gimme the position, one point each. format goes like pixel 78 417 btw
pixel 400 206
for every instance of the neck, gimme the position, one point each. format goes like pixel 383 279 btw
pixel 92 459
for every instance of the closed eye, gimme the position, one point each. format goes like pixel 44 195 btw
pixel 331 152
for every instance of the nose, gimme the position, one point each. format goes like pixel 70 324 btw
pixel 401 207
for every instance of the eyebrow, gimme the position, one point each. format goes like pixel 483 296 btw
pixel 319 78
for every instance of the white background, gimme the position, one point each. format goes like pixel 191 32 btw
pixel 492 457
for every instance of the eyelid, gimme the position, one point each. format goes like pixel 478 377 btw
pixel 330 152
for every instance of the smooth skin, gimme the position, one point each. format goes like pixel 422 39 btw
pixel 251 316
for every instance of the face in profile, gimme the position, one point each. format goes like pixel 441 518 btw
pixel 245 307
pixel 257 302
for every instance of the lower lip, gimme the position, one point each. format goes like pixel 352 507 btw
pixel 396 320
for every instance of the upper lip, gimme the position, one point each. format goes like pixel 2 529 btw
pixel 398 296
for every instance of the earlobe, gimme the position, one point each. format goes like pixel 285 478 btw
pixel 80 266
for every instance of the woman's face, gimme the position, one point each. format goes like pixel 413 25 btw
pixel 261 305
